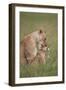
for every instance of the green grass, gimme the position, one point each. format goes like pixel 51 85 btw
pixel 30 22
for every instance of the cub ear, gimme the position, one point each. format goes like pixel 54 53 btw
pixel 40 31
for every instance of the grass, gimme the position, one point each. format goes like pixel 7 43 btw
pixel 30 22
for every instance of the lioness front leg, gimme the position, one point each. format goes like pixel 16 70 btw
pixel 30 56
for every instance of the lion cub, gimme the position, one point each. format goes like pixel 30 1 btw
pixel 33 45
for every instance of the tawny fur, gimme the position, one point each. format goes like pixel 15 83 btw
pixel 33 45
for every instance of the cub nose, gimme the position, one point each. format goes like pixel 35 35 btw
pixel 44 45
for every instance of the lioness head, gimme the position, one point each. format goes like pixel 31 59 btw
pixel 42 40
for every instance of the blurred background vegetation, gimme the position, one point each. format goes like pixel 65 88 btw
pixel 30 22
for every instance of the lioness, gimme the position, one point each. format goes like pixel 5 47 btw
pixel 33 45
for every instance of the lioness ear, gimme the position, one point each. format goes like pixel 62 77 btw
pixel 40 31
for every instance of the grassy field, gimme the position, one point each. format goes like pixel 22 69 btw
pixel 30 22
